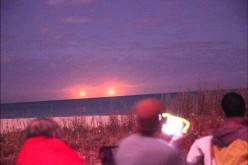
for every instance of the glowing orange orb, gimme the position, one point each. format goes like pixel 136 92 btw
pixel 83 93
pixel 111 92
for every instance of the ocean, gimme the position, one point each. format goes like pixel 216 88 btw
pixel 75 107
pixel 92 111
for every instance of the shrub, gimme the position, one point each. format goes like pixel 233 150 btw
pixel 203 111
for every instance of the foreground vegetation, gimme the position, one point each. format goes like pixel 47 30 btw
pixel 203 111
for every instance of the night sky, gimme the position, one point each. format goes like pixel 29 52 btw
pixel 69 49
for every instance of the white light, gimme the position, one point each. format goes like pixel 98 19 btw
pixel 173 126
pixel 83 93
pixel 111 92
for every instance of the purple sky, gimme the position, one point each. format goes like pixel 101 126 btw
pixel 56 49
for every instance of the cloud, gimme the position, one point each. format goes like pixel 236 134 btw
pixel 77 20
pixel 69 2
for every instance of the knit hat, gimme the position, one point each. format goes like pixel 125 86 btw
pixel 147 112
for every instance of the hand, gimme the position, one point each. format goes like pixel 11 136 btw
pixel 166 137
pixel 179 142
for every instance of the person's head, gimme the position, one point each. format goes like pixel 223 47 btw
pixel 147 112
pixel 233 105
pixel 43 127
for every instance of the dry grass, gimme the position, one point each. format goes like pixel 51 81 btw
pixel 203 111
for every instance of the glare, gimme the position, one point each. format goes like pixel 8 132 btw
pixel 173 126
pixel 83 93
pixel 175 119
pixel 111 92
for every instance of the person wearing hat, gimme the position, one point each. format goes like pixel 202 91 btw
pixel 146 147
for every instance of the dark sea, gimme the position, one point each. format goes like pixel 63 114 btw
pixel 78 107
pixel 75 107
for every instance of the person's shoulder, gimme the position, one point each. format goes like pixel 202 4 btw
pixel 162 142
pixel 202 142
pixel 173 153
pixel 163 146
pixel 129 138
pixel 205 139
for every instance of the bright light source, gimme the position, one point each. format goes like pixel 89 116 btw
pixel 175 119
pixel 83 93
pixel 111 92
pixel 173 126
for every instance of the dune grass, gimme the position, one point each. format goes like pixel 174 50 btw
pixel 203 111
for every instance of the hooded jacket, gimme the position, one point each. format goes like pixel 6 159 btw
pixel 201 150
pixel 230 142
pixel 234 128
